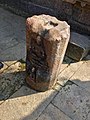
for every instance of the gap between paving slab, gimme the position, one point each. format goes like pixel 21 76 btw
pixel 82 77
pixel 74 101
pixel 53 113
pixel 68 72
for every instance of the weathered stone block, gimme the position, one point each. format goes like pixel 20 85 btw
pixel 47 40
pixel 78 47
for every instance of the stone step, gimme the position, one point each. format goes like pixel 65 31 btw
pixel 78 46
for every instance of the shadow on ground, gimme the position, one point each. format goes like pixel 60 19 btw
pixel 68 93
pixel 29 104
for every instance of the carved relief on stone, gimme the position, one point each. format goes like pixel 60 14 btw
pixel 47 40
pixel 36 58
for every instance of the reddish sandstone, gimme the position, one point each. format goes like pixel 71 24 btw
pixel 47 39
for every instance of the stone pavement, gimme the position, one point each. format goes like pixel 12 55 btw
pixel 68 100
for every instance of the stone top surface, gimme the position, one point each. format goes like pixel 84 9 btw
pixel 48 26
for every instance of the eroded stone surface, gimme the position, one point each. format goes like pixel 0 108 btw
pixel 25 104
pixel 47 40
pixel 12 48
pixel 74 102
pixel 52 113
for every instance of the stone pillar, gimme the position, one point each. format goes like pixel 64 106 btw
pixel 47 39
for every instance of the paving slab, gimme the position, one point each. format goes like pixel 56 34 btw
pixel 6 31
pixel 65 75
pixel 74 102
pixel 7 16
pixel 26 104
pixel 82 76
pixel 2 20
pixel 11 80
pixel 14 53
pixel 52 113
pixel 8 42
pixel 12 30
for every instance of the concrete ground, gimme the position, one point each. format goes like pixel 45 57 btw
pixel 68 100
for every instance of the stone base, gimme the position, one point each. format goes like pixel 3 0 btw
pixel 41 87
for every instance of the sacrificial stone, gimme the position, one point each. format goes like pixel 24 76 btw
pixel 46 39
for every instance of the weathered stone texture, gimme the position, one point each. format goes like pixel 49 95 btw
pixel 78 47
pixel 47 40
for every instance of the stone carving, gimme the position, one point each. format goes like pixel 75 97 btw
pixel 47 40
